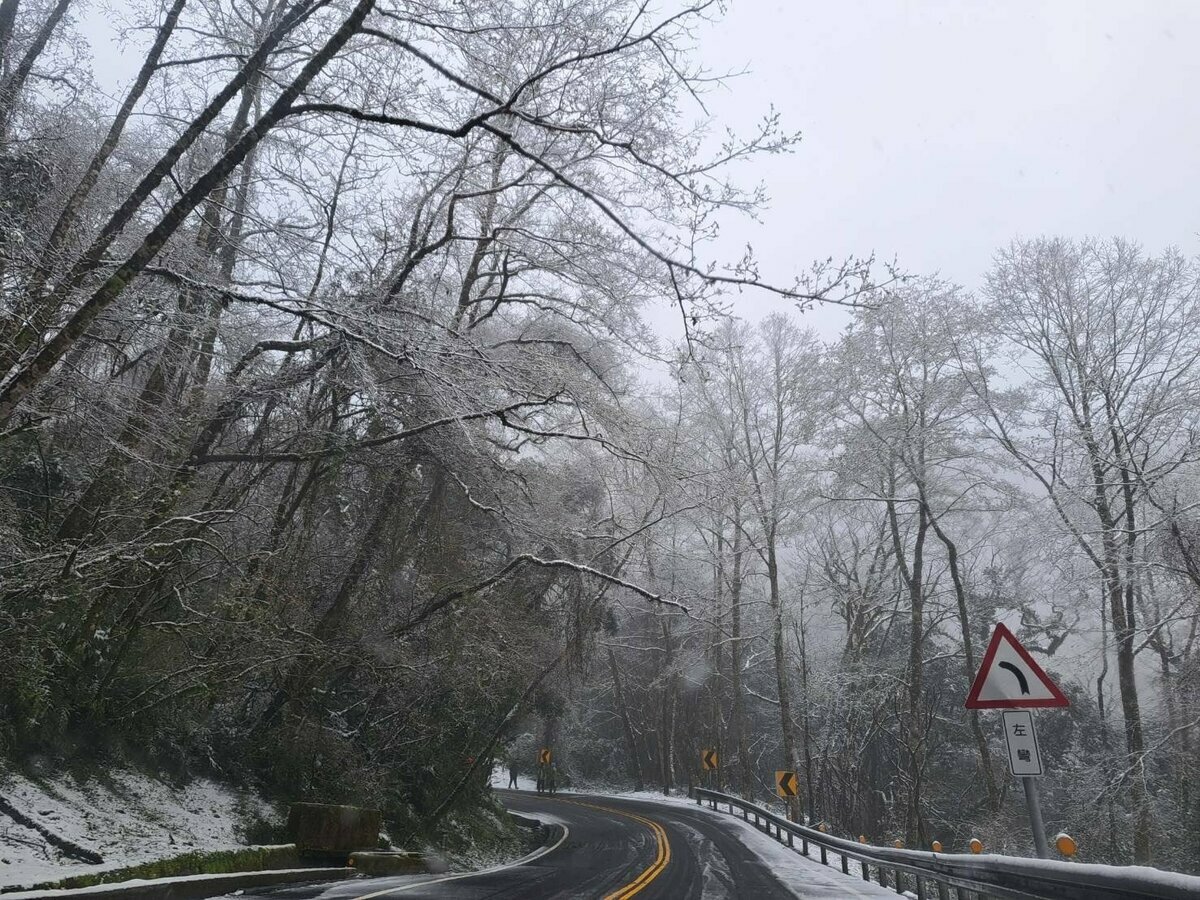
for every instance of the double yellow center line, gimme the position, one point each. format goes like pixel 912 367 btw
pixel 662 856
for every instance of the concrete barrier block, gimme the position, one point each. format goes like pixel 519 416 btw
pixel 322 829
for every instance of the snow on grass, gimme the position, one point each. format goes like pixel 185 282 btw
pixel 125 816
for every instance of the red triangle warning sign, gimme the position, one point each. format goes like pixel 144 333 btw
pixel 1010 679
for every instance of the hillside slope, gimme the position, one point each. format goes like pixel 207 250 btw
pixel 124 817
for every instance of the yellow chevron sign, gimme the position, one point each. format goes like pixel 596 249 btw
pixel 708 760
pixel 786 784
pixel 544 756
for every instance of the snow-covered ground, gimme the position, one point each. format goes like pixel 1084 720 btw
pixel 500 780
pixel 127 818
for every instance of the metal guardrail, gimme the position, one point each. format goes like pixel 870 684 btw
pixel 953 876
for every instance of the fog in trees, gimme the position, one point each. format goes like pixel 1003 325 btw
pixel 344 449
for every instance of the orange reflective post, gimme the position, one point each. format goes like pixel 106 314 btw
pixel 1066 845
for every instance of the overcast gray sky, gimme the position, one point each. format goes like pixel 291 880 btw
pixel 938 130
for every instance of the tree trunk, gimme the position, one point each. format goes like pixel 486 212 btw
pixel 71 208
pixel 913 576
pixel 384 507
pixel 488 752
pixel 802 647
pixel 716 677
pixel 28 376
pixel 738 714
pixel 631 745
pixel 782 682
pixel 11 86
pixel 964 622
pixel 8 18
pixel 1122 618
pixel 670 697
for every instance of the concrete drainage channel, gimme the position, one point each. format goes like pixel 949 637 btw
pixel 189 887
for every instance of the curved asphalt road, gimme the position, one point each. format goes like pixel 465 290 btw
pixel 613 848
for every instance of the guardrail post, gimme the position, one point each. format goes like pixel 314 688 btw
pixel 920 888
pixel 943 894
pixel 824 858
pixel 866 870
pixel 790 837
pixel 804 845
pixel 899 881
pixel 845 865
pixel 882 877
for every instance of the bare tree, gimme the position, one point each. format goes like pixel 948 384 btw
pixel 1108 337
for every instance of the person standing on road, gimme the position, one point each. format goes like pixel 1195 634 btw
pixel 512 774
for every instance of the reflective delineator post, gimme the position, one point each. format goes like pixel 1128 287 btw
pixel 1065 844
pixel 1035 818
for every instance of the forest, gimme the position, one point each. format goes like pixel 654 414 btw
pixel 343 451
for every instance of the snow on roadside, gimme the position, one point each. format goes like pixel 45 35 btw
pixel 804 875
pixel 815 880
pixel 652 797
pixel 126 817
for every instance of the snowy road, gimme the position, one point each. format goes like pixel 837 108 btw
pixel 616 848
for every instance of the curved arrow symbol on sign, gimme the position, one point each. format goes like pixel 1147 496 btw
pixel 786 784
pixel 1020 675
pixel 992 690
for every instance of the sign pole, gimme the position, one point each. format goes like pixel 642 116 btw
pixel 1011 680
pixel 1035 817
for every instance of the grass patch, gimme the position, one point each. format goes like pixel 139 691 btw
pixel 199 862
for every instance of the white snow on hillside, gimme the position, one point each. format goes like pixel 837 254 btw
pixel 126 817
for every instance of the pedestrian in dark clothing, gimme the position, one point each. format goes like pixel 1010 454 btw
pixel 512 774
